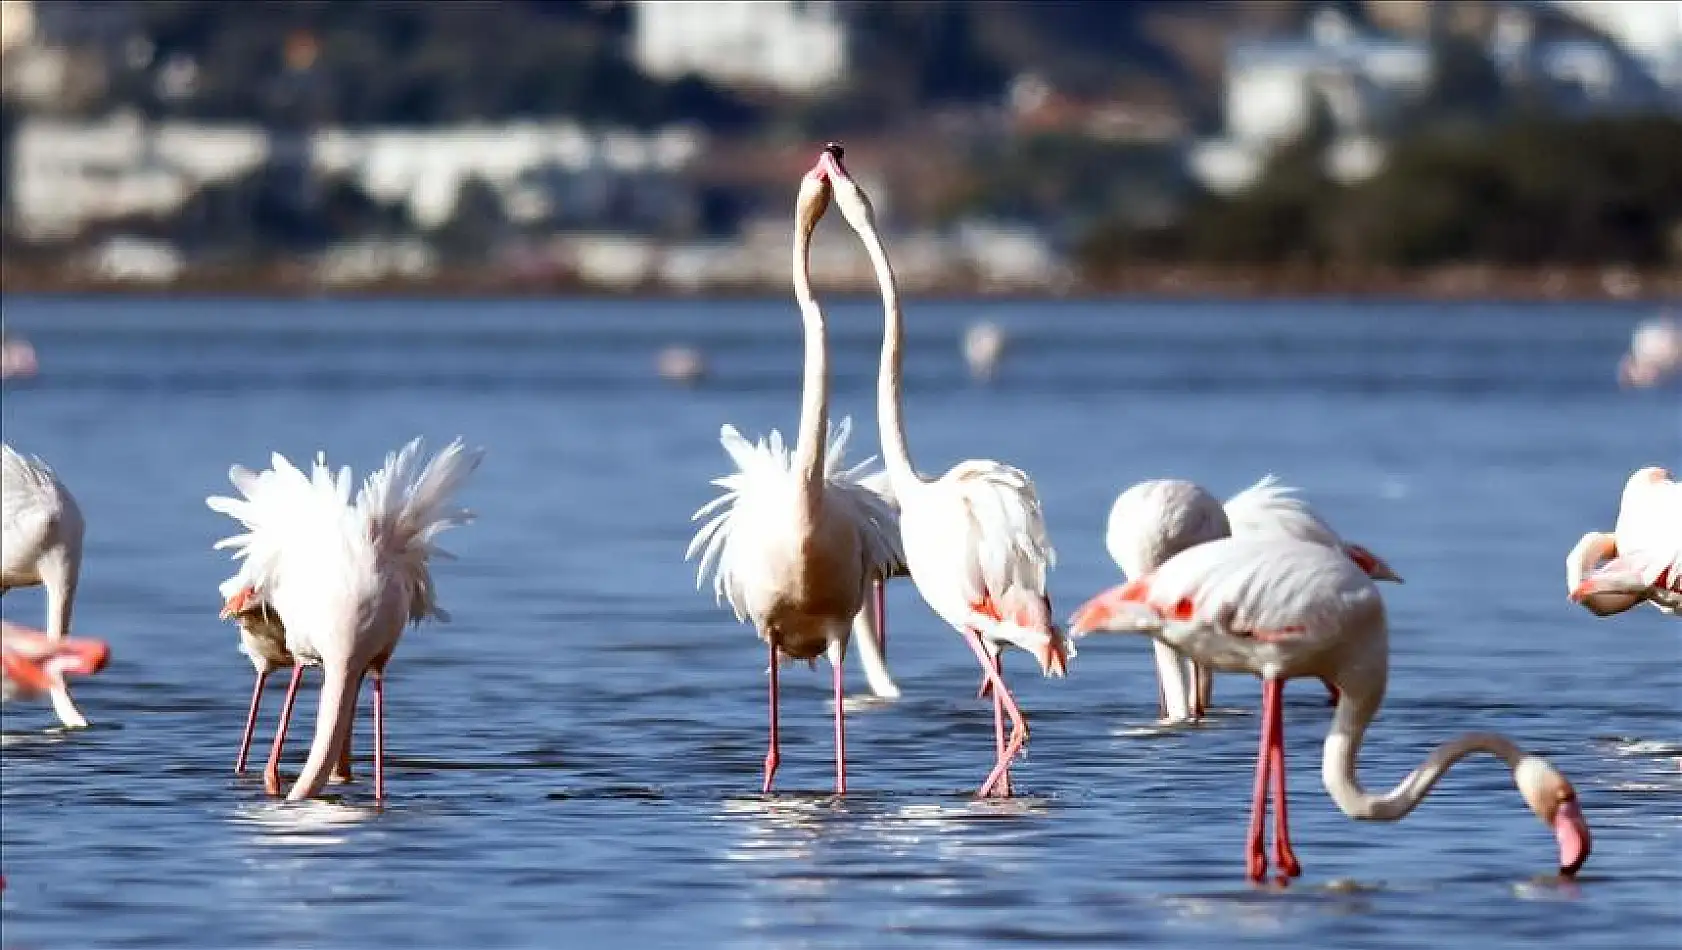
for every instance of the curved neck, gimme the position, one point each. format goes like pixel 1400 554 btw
pixel 1343 746
pixel 809 446
pixel 896 455
pixel 1592 549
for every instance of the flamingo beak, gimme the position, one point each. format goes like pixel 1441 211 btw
pixel 1572 832
pixel 80 656
pixel 1374 566
pixel 1110 610
pixel 237 603
pixel 1582 592
pixel 829 162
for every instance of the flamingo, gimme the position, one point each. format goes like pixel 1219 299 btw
pixel 343 576
pixel 1156 519
pixel 975 541
pixel 41 531
pixel 1281 608
pixel 983 348
pixel 262 639
pixel 1641 560
pixel 1655 352
pixel 795 541
pixel 32 662
pixel 1149 523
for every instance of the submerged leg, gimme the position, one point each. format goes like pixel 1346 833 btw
pixel 772 756
pixel 1283 857
pixel 271 773
pixel 1255 864
pixel 379 732
pixel 836 661
pixel 250 721
pixel 998 780
pixel 999 720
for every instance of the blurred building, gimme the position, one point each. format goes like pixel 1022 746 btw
pixel 795 46
pixel 1353 80
pixel 1651 30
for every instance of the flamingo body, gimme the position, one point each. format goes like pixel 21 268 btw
pixel 1641 560
pixel 1280 608
pixel 41 531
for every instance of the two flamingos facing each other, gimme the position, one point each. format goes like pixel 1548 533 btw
pixel 1154 520
pixel 41 532
pixel 1281 608
pixel 975 540
pixel 343 577
pixel 1641 560
pixel 796 542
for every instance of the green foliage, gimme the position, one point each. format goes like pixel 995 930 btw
pixel 1524 193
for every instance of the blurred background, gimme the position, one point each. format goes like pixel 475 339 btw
pixel 1447 147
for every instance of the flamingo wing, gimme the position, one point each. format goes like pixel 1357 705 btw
pixel 1271 508
pixel 1649 536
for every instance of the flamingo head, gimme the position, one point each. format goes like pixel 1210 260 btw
pixel 1121 609
pixel 1550 795
pixel 1374 566
pixel 815 191
pixel 849 197
pixel 1053 654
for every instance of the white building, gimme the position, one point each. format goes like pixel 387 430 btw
pixel 1274 87
pixel 795 46
pixel 1651 30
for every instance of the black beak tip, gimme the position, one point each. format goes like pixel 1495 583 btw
pixel 834 150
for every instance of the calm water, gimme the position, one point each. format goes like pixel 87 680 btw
pixel 575 760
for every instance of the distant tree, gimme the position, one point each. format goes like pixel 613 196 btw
pixel 477 225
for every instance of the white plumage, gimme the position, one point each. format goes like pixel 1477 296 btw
pixel 343 574
pixel 1641 560
pixel 41 533
pixel 749 532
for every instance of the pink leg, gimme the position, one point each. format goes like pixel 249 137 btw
pixel 379 733
pixel 341 772
pixel 1256 858
pixel 772 756
pixel 1283 857
pixel 271 773
pixel 999 719
pixel 840 736
pixel 250 722
pixel 1019 726
pixel 881 598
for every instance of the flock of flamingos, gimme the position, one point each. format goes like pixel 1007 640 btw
pixel 800 545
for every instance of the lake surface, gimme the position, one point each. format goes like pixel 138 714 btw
pixel 574 762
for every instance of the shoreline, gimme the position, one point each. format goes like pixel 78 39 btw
pixel 1469 282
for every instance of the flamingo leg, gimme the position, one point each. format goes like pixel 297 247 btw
pixel 880 597
pixel 250 722
pixel 1283 857
pixel 379 734
pixel 840 732
pixel 1255 858
pixel 271 773
pixel 1019 726
pixel 999 719
pixel 772 755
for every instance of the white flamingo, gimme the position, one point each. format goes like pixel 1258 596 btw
pixel 1655 352
pixel 1157 519
pixel 975 540
pixel 1281 608
pixel 32 663
pixel 262 638
pixel 1641 560
pixel 343 576
pixel 41 544
pixel 796 541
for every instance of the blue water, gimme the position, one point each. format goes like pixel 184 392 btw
pixel 574 761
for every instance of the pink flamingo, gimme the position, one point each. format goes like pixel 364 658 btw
pixel 1281 608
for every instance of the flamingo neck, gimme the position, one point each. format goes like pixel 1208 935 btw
pixel 809 447
pixel 334 712
pixel 1591 550
pixel 60 574
pixel 896 454
pixel 1355 710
